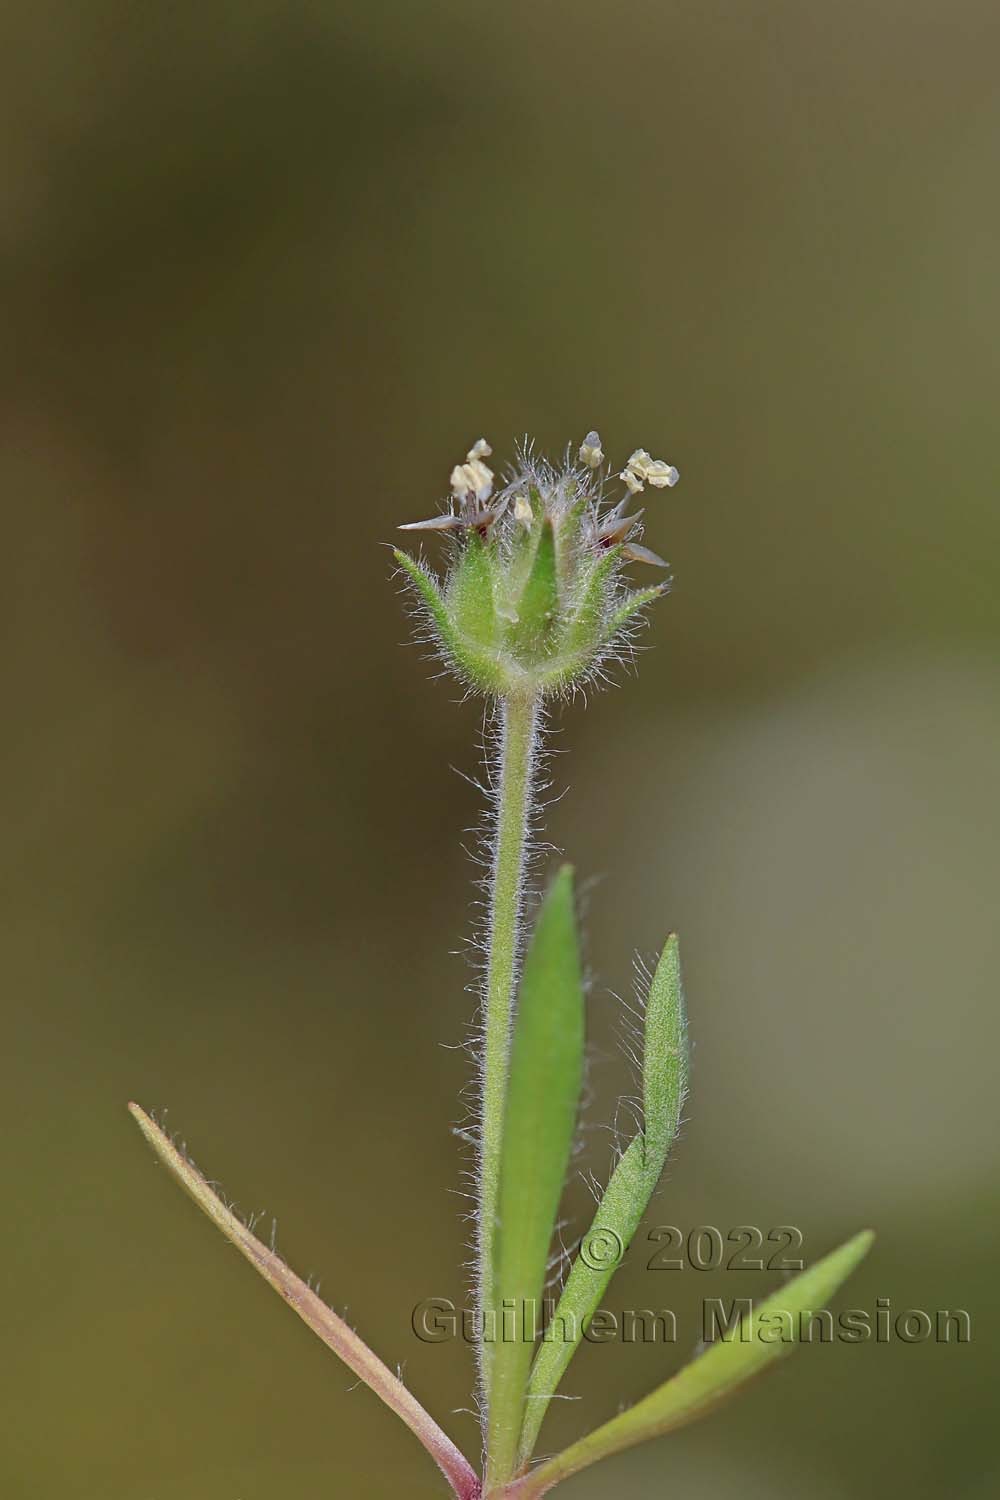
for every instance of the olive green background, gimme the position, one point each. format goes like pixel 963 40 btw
pixel 268 269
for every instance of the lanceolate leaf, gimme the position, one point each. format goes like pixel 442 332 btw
pixel 537 605
pixel 601 1251
pixel 583 626
pixel 334 1332
pixel 470 594
pixel 461 652
pixel 632 605
pixel 427 588
pixel 543 1093
pixel 665 1059
pixel 759 1338
pixel 664 1079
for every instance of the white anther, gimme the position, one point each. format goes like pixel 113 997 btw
pixel 472 480
pixel 654 471
pixel 591 453
pixel 522 511
pixel 661 475
pixel 639 462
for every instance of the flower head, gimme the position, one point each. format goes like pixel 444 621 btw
pixel 534 598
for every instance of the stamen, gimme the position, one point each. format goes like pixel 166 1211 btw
pixel 523 512
pixel 591 453
pixel 654 471
pixel 472 480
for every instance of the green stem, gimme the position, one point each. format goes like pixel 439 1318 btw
pixel 518 737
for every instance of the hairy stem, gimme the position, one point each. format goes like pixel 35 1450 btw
pixel 518 738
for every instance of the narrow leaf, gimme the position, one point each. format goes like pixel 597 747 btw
pixel 468 658
pixel 583 627
pixel 334 1332
pixel 665 1059
pixel 632 605
pixel 470 594
pixel 762 1336
pixel 601 1251
pixel 665 1073
pixel 543 1094
pixel 426 587
pixel 537 604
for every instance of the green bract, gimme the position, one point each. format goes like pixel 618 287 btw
pixel 534 600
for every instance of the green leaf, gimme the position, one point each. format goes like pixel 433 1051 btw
pixel 546 1072
pixel 626 1196
pixel 538 603
pixel 426 586
pixel 601 1251
pixel 324 1322
pixel 470 595
pixel 757 1340
pixel 665 1059
pixel 582 629
pixel 478 662
pixel 632 605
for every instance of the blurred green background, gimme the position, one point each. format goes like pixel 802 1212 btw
pixel 268 269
